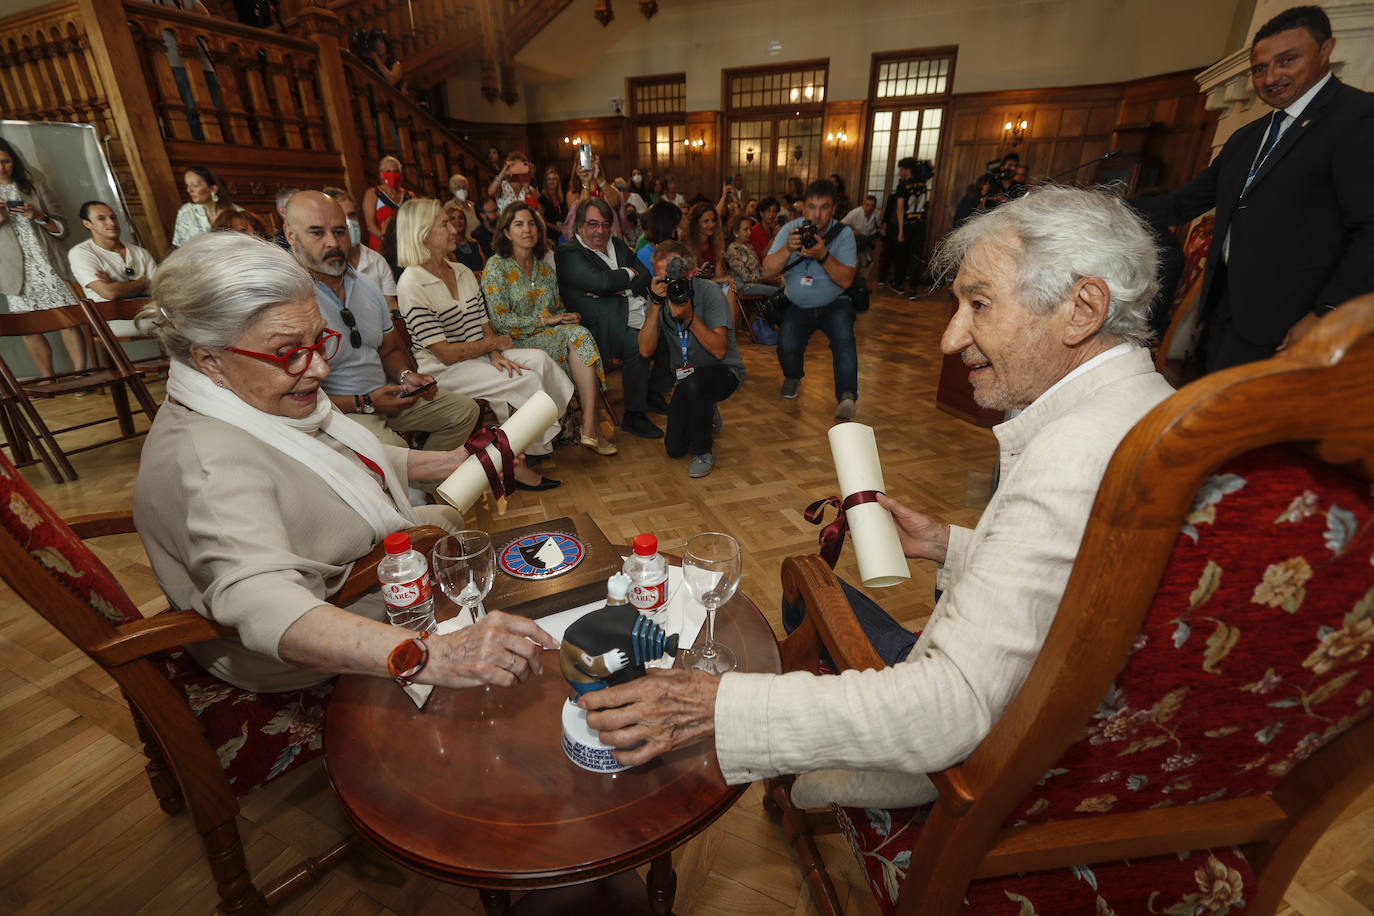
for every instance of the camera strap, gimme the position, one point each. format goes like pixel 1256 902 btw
pixel 829 237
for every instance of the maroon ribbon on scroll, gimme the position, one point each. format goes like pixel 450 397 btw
pixel 832 535
pixel 502 481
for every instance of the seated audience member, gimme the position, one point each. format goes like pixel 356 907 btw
pixel 1052 291
pixel 459 192
pixel 656 190
pixel 485 233
pixel 968 204
pixel 766 229
pixel 443 308
pixel 514 182
pixel 553 204
pixel 796 191
pixel 671 194
pixel 255 496
pixel 208 198
pixel 381 201
pixel 522 297
pixel 745 268
pixel 816 278
pixel 586 184
pixel 244 221
pixel 707 241
pixel 841 197
pixel 692 318
pixel 751 207
pixel 634 193
pixel 105 267
pixel 660 225
pixel 465 250
pixel 601 279
pixel 283 196
pixel 369 264
pixel 867 225
pixel 370 355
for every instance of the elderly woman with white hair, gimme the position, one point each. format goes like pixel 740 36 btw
pixel 255 495
pixel 446 316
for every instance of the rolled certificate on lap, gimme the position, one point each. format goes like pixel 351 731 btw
pixel 464 485
pixel 879 550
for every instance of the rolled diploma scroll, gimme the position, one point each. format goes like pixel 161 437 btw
pixel 881 561
pixel 464 485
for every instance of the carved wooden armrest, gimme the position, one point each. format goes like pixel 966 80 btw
pixel 101 524
pixel 829 622
pixel 140 638
pixel 362 578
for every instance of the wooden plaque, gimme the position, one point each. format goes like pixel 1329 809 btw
pixel 584 582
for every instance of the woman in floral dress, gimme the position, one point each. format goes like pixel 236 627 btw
pixel 208 199
pixel 522 296
pixel 32 271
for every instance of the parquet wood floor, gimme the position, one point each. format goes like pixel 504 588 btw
pixel 80 831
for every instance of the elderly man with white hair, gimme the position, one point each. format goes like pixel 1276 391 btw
pixel 1053 296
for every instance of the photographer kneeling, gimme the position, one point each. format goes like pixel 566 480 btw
pixel 693 319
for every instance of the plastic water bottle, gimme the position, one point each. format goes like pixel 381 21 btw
pixel 406 589
pixel 648 572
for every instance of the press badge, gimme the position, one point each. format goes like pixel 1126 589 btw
pixel 683 372
pixel 807 280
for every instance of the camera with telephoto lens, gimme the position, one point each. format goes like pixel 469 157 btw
pixel 808 234
pixel 679 287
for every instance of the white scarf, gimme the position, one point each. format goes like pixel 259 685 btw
pixel 293 438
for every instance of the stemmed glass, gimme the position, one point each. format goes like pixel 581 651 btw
pixel 465 567
pixel 711 571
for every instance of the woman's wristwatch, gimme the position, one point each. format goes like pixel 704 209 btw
pixel 407 660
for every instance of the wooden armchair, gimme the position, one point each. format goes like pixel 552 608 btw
pixel 207 743
pixel 1200 711
pixel 118 316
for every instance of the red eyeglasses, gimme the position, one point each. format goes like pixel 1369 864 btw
pixel 295 362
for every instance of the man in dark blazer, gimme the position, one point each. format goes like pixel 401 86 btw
pixel 600 278
pixel 1294 199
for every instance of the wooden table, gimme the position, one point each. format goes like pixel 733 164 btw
pixel 475 788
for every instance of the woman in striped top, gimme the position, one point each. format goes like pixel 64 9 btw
pixel 446 316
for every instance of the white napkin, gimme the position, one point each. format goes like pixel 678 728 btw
pixel 684 616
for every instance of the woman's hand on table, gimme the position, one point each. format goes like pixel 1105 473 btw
pixel 500 649
pixel 666 709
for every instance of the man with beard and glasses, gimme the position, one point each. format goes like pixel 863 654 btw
pixel 1053 295
pixel 370 356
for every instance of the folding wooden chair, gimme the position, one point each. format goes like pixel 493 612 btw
pixel 119 376
pixel 127 310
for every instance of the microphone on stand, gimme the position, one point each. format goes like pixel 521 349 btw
pixel 1107 155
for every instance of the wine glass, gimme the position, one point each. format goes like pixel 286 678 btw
pixel 465 567
pixel 711 571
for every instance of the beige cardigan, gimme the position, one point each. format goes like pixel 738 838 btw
pixel 1002 584
pixel 245 536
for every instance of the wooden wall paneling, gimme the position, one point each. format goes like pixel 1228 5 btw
pixel 852 117
pixel 704 173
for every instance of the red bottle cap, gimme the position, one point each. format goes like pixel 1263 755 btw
pixel 646 545
pixel 397 542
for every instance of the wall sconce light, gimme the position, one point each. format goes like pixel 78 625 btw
pixel 797 152
pixel 749 155
pixel 836 139
pixel 694 147
pixel 575 141
pixel 1015 130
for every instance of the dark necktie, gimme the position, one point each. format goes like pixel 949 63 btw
pixel 1271 140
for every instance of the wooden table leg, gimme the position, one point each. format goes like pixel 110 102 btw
pixel 496 903
pixel 662 885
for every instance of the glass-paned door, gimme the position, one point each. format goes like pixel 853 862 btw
pixel 893 136
pixel 749 154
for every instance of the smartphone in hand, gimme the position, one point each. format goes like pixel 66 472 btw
pixel 417 391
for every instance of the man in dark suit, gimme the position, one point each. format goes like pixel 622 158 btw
pixel 600 278
pixel 1294 199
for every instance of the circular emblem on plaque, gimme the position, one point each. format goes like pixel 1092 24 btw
pixel 542 555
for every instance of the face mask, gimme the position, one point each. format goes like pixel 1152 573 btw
pixel 391 179
pixel 637 179
pixel 460 194
pixel 355 231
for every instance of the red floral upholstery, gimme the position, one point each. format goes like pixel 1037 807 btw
pixel 1208 881
pixel 38 529
pixel 257 736
pixel 1254 654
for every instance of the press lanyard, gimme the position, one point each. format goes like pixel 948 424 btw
pixel 682 340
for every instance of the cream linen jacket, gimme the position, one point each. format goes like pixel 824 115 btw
pixel 1002 584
